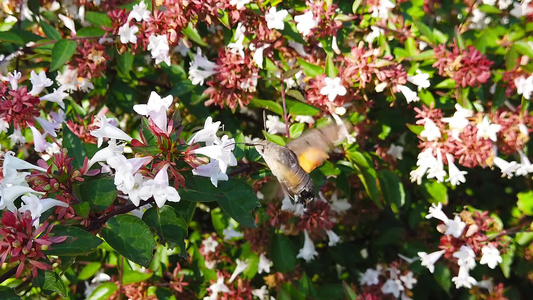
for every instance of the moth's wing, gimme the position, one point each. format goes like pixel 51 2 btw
pixel 313 146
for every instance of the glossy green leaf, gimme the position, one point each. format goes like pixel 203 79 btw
pixel 525 202
pixel 366 174
pixel 268 104
pixel 98 19
pixel 283 253
pixel 310 69
pixel 103 291
pixel 50 283
pixel 61 53
pixel 74 146
pixel 130 237
pixel 193 35
pixel 169 225
pixel 302 109
pixel 50 31
pixel 99 191
pixel 78 242
pixel 89 270
pixel 392 189
pixel 90 32
pixel 239 201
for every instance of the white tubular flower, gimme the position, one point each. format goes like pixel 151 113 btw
pixel 9 193
pixel 421 80
pixel 463 279
pixel 264 264
pixel 507 168
pixel 465 257
pixel 308 251
pixel 127 34
pixel 395 152
pixel 210 245
pixel 69 23
pixel 392 286
pixel 374 34
pixel 159 188
pixel 159 48
pixel 239 4
pixel 491 256
pixel 305 23
pixel 201 68
pixel 410 95
pixel 49 127
pixel 339 205
pixel 275 18
pixel 37 206
pixel 274 125
pixel 455 227
pixel 242 265
pixel 139 12
pixel 107 130
pixel 156 109
pixel 408 280
pixel 221 152
pixel 525 166
pixel 230 232
pixel 39 82
pixel 524 86
pixel 431 132
pixel 487 130
pixel 258 55
pixel 429 260
pixel 459 120
pixel 456 176
pixel 425 160
pixel 111 150
pixel 261 293
pixel 218 287
pixel 437 170
pixel 370 277
pixel 381 11
pixel 125 169
pixel 207 134
pixel 17 137
pixel 333 88
pixel 435 211
pixel 211 170
pixel 12 164
pixel 39 142
pixel 333 238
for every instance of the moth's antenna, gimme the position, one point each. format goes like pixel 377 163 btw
pixel 285 118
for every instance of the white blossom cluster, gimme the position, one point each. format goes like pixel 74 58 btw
pixel 466 257
pixel 395 283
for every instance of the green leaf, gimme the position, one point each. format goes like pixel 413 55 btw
pixel 302 109
pixel 103 291
pixel 98 19
pixel 424 30
pixel 131 237
pixel 239 201
pixel 443 277
pixel 349 292
pixel 366 174
pixel 436 192
pixel 410 46
pixel 306 286
pixel 416 129
pixel 78 241
pixel 447 83
pixel 50 31
pixel 169 225
pixel 74 146
pixel 309 68
pixel 19 36
pixel 100 192
pixel 511 58
pixel 392 189
pixel 61 53
pixel 89 270
pixel 199 189
pixel 131 276
pixel 390 236
pixel 7 293
pixel 296 130
pixel 90 32
pixel 268 104
pixel 50 282
pixel 331 70
pixel 296 95
pixel 274 138
pixel 291 33
pixel 507 260
pixel 524 48
pixel 291 73
pixel 124 63
pixel 283 253
pixel 428 54
pixel 525 202
pixel 356 5
pixel 193 35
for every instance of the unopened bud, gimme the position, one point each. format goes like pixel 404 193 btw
pixel 472 229
pixel 44 247
pixel 25 251
pixel 76 173
pixel 442 228
pixel 16 244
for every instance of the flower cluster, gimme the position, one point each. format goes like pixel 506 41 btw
pixel 385 280
pixel 464 239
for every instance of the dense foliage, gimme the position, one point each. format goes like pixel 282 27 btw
pixel 129 171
